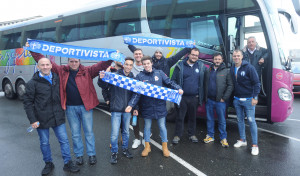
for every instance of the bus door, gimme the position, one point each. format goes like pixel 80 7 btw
pixel 239 29
pixel 206 33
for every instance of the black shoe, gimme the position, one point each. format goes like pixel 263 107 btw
pixel 48 168
pixel 79 160
pixel 71 167
pixel 92 160
pixel 127 153
pixel 113 158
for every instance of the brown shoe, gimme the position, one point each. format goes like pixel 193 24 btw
pixel 165 150
pixel 147 149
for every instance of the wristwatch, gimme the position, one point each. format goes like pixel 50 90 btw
pixel 255 98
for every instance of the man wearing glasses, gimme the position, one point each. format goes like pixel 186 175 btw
pixel 189 74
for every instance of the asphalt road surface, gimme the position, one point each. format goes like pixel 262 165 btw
pixel 279 146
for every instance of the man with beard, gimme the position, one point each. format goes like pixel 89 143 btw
pixel 219 87
pixel 189 74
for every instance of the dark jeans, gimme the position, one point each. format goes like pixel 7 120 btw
pixel 136 129
pixel 189 105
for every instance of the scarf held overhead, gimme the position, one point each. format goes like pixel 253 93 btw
pixel 78 52
pixel 143 88
pixel 162 42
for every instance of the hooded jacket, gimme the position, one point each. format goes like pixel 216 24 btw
pixel 42 101
pixel 246 84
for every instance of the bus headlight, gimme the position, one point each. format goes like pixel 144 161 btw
pixel 284 94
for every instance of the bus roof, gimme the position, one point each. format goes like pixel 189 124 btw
pixel 91 6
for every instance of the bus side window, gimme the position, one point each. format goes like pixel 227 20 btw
pixel 10 41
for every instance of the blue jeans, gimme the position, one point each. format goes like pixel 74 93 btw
pixel 61 135
pixel 116 118
pixel 162 128
pixel 220 108
pixel 242 108
pixel 77 116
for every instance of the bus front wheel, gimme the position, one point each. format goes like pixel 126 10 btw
pixel 8 90
pixel 20 89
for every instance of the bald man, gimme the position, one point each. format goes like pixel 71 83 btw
pixel 44 111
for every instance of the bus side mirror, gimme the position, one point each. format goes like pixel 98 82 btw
pixel 297 6
pixel 291 18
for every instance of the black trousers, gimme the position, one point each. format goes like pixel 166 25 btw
pixel 188 105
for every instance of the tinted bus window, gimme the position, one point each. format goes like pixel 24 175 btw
pixel 125 19
pixel 240 6
pixel 42 31
pixel 10 41
pixel 195 19
pixel 93 24
pixel 69 29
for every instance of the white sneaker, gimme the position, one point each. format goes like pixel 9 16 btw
pixel 136 143
pixel 240 144
pixel 254 150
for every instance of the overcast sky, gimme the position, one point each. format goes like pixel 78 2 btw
pixel 18 9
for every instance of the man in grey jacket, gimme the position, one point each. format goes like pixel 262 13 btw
pixel 218 89
pixel 255 55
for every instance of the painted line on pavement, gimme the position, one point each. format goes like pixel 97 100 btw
pixel 293 120
pixel 172 155
pixel 272 132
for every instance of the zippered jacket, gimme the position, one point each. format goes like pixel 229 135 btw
pixel 42 101
pixel 152 108
pixel 224 84
pixel 118 97
pixel 246 83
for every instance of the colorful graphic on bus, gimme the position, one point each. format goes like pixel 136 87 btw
pixel 14 57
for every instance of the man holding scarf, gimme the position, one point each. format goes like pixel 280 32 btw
pixel 78 98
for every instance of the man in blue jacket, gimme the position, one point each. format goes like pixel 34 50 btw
pixel 190 74
pixel 118 99
pixel 246 90
pixel 152 108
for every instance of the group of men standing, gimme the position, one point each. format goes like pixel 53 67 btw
pixel 55 89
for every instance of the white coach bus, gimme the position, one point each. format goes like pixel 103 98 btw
pixel 215 25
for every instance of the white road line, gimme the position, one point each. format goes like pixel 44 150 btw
pixel 272 132
pixel 293 120
pixel 172 155
pixel 282 135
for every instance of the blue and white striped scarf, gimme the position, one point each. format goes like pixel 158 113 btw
pixel 143 88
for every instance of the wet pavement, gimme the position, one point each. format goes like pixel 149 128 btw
pixel 279 149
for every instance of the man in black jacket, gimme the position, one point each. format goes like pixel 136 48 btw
pixel 118 99
pixel 219 87
pixel 43 109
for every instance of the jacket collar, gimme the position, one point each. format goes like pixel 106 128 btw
pixel 157 60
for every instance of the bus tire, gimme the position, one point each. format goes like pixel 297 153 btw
pixel 20 89
pixel 8 90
